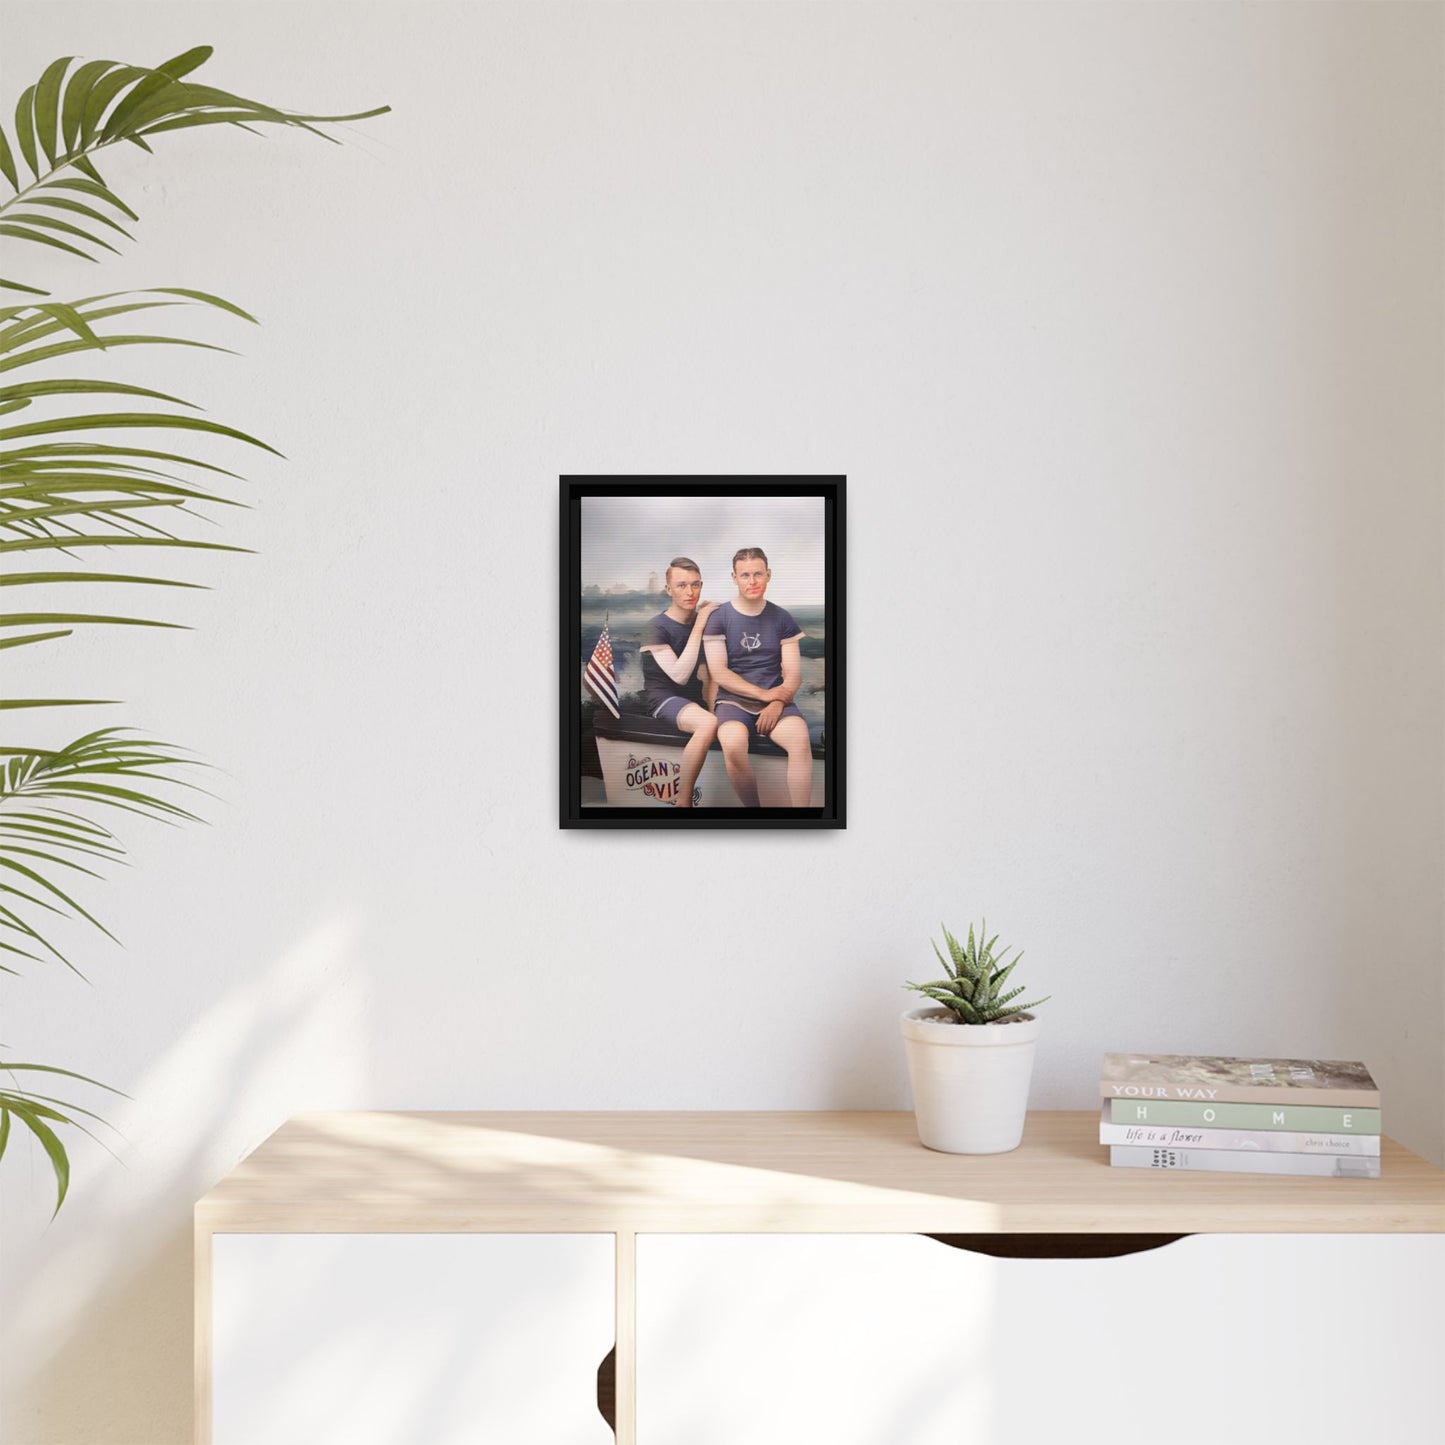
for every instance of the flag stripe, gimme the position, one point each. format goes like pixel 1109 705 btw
pixel 601 682
pixel 599 676
pixel 607 703
pixel 601 679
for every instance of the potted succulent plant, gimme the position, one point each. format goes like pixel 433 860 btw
pixel 971 1057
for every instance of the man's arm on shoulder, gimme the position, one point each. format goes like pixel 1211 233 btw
pixel 673 665
pixel 681 669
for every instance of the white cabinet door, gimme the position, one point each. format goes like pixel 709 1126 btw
pixel 807 1340
pixel 396 1339
pixel 900 1340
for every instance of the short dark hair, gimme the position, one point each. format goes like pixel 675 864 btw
pixel 683 564
pixel 744 553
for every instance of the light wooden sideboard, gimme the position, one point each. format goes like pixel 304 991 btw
pixel 621 1179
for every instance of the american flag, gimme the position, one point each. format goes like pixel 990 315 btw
pixel 601 680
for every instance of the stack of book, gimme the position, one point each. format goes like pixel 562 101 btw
pixel 1244 1116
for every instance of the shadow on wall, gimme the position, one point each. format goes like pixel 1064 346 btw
pixel 98 1339
pixel 862 1057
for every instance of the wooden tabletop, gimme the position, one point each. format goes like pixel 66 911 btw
pixel 825 1172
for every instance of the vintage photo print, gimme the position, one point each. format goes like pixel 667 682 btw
pixel 702 652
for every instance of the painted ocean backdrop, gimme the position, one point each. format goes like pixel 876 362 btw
pixel 627 615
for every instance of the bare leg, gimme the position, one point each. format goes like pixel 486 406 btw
pixel 703 726
pixel 791 734
pixel 734 739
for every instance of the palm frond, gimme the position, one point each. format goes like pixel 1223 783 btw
pixel 109 768
pixel 74 111
pixel 62 491
pixel 41 1113
pixel 73 482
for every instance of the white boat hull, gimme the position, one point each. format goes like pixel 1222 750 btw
pixel 638 774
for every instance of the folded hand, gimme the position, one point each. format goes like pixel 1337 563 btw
pixel 768 718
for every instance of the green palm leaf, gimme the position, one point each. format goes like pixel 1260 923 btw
pixel 109 768
pixel 30 1114
pixel 47 108
pixel 25 130
pixel 69 116
pixel 33 390
pixel 79 208
pixel 39 1113
pixel 30 638
pixel 92 188
pixel 115 420
pixel 71 482
pixel 62 492
pixel 54 223
pixel 7 168
pixel 77 89
pixel 24 233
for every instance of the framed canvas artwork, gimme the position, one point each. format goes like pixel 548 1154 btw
pixel 702 652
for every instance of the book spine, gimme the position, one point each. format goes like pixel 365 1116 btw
pixel 1268 1141
pixel 1240 1094
pixel 1234 1161
pixel 1297 1118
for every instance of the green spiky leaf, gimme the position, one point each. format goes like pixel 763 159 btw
pixel 974 988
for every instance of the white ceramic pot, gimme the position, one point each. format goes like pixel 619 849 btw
pixel 970 1081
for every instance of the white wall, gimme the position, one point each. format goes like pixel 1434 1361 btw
pixel 1124 323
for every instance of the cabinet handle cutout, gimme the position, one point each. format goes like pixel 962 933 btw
pixel 607 1389
pixel 1056 1246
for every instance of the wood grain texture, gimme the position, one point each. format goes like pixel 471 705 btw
pixel 201 1339
pixel 699 1172
pixel 630 1173
pixel 624 1420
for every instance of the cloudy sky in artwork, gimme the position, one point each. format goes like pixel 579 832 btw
pixel 626 539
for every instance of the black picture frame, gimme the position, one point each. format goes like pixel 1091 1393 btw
pixel 581 744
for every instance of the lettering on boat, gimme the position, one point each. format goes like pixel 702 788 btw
pixel 656 777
